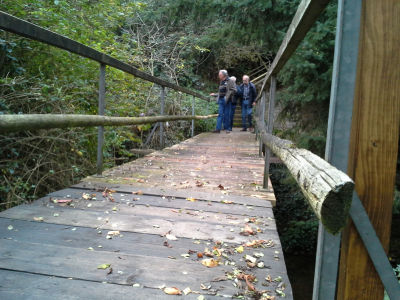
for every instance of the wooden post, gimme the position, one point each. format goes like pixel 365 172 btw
pixel 374 144
pixel 162 98
pixel 270 126
pixel 192 129
pixel 262 119
pixel 100 133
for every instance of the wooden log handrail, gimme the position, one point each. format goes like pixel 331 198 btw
pixel 14 123
pixel 35 32
pixel 327 189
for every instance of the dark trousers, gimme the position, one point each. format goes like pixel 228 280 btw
pixel 227 116
pixel 233 108
pixel 247 110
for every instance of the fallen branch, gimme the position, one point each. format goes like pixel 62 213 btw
pixel 12 123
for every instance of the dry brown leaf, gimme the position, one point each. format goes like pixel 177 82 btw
pixel 221 187
pixel 247 230
pixel 191 199
pixel 139 192
pixel 172 291
pixel 209 262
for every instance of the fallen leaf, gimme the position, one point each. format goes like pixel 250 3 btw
pixel 221 187
pixel 205 287
pixel 239 249
pixel 113 233
pixel 90 248
pixel 209 262
pixel 259 243
pixel 247 230
pixel 10 227
pixel 139 192
pixel 114 208
pixel 167 245
pixel 258 254
pixel 191 199
pixel 86 196
pixel 56 215
pixel 227 202
pixel 103 266
pixel 172 291
pixel 171 237
pixel 187 291
pixel 62 200
pixel 39 219
pixel 185 255
pixel 199 255
pixel 201 297
pixel 250 258
pixel 140 180
pixel 260 264
pixel 109 271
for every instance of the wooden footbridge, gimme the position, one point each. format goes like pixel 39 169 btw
pixel 195 219
pixel 154 223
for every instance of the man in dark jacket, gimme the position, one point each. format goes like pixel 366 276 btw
pixel 248 94
pixel 226 89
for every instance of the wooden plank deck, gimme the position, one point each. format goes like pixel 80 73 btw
pixel 203 192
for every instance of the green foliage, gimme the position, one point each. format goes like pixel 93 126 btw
pixel 296 222
pixel 396 202
pixel 396 271
pixel 36 78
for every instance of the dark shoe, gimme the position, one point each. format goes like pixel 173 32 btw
pixel 216 131
pixel 244 129
pixel 228 131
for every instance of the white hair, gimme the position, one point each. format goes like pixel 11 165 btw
pixel 224 72
pixel 246 77
pixel 233 78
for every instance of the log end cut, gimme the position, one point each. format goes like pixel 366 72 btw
pixel 335 208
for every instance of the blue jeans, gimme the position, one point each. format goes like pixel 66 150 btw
pixel 246 114
pixel 233 108
pixel 221 110
pixel 227 116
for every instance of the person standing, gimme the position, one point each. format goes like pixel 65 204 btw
pixel 225 91
pixel 248 95
pixel 234 101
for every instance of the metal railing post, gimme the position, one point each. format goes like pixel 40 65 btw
pixel 162 98
pixel 100 132
pixel 193 102
pixel 338 136
pixel 270 127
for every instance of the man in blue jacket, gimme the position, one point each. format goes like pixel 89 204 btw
pixel 248 94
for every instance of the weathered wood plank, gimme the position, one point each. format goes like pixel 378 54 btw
pixel 23 286
pixel 374 143
pixel 160 201
pixel 81 264
pixel 202 226
pixel 169 192
pixel 130 243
